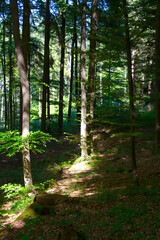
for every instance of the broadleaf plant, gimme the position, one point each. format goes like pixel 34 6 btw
pixel 11 142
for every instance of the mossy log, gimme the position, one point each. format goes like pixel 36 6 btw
pixel 35 210
pixel 46 199
pixel 44 204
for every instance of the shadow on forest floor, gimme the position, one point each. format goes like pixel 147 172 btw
pixel 109 204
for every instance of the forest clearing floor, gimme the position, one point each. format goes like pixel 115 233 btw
pixel 108 204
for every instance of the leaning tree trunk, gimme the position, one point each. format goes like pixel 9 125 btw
pixel 46 68
pixel 131 93
pixel 157 76
pixel 83 84
pixel 91 75
pixel 25 93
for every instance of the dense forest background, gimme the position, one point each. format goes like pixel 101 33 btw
pixel 85 77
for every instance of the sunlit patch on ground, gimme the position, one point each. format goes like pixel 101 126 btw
pixel 79 167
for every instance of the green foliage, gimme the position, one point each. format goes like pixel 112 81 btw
pixel 13 190
pixel 12 142
pixel 38 139
pixel 17 195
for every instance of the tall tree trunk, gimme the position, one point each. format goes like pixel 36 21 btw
pixel 4 66
pixel 60 120
pixel 25 46
pixel 101 84
pixel 77 94
pixel 48 107
pixel 14 108
pixel 91 75
pixel 83 84
pixel 39 98
pixel 109 83
pixel 157 75
pixel 71 81
pixel 10 78
pixel 2 104
pixel 25 93
pixel 26 31
pixel 131 93
pixel 46 67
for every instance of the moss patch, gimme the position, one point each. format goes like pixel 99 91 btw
pixel 35 210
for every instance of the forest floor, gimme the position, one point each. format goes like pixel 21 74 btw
pixel 108 203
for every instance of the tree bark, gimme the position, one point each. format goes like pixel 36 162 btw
pixel 60 120
pixel 46 67
pixel 25 46
pixel 4 66
pixel 77 94
pixel 25 93
pixel 71 80
pixel 91 75
pixel 10 78
pixel 131 93
pixel 101 84
pixel 83 84
pixel 157 76
pixel 2 104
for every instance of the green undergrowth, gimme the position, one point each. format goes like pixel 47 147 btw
pixel 114 208
pixel 132 213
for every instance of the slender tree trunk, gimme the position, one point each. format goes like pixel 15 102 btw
pixel 25 93
pixel 4 66
pixel 157 76
pixel 91 75
pixel 20 108
pixel 109 83
pixel 71 81
pixel 14 108
pixel 150 85
pixel 125 84
pixel 10 78
pixel 101 84
pixel 48 72
pixel 134 72
pixel 83 84
pixel 48 108
pixel 46 67
pixel 39 102
pixel 131 93
pixel 76 63
pixel 77 91
pixel 2 104
pixel 60 120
